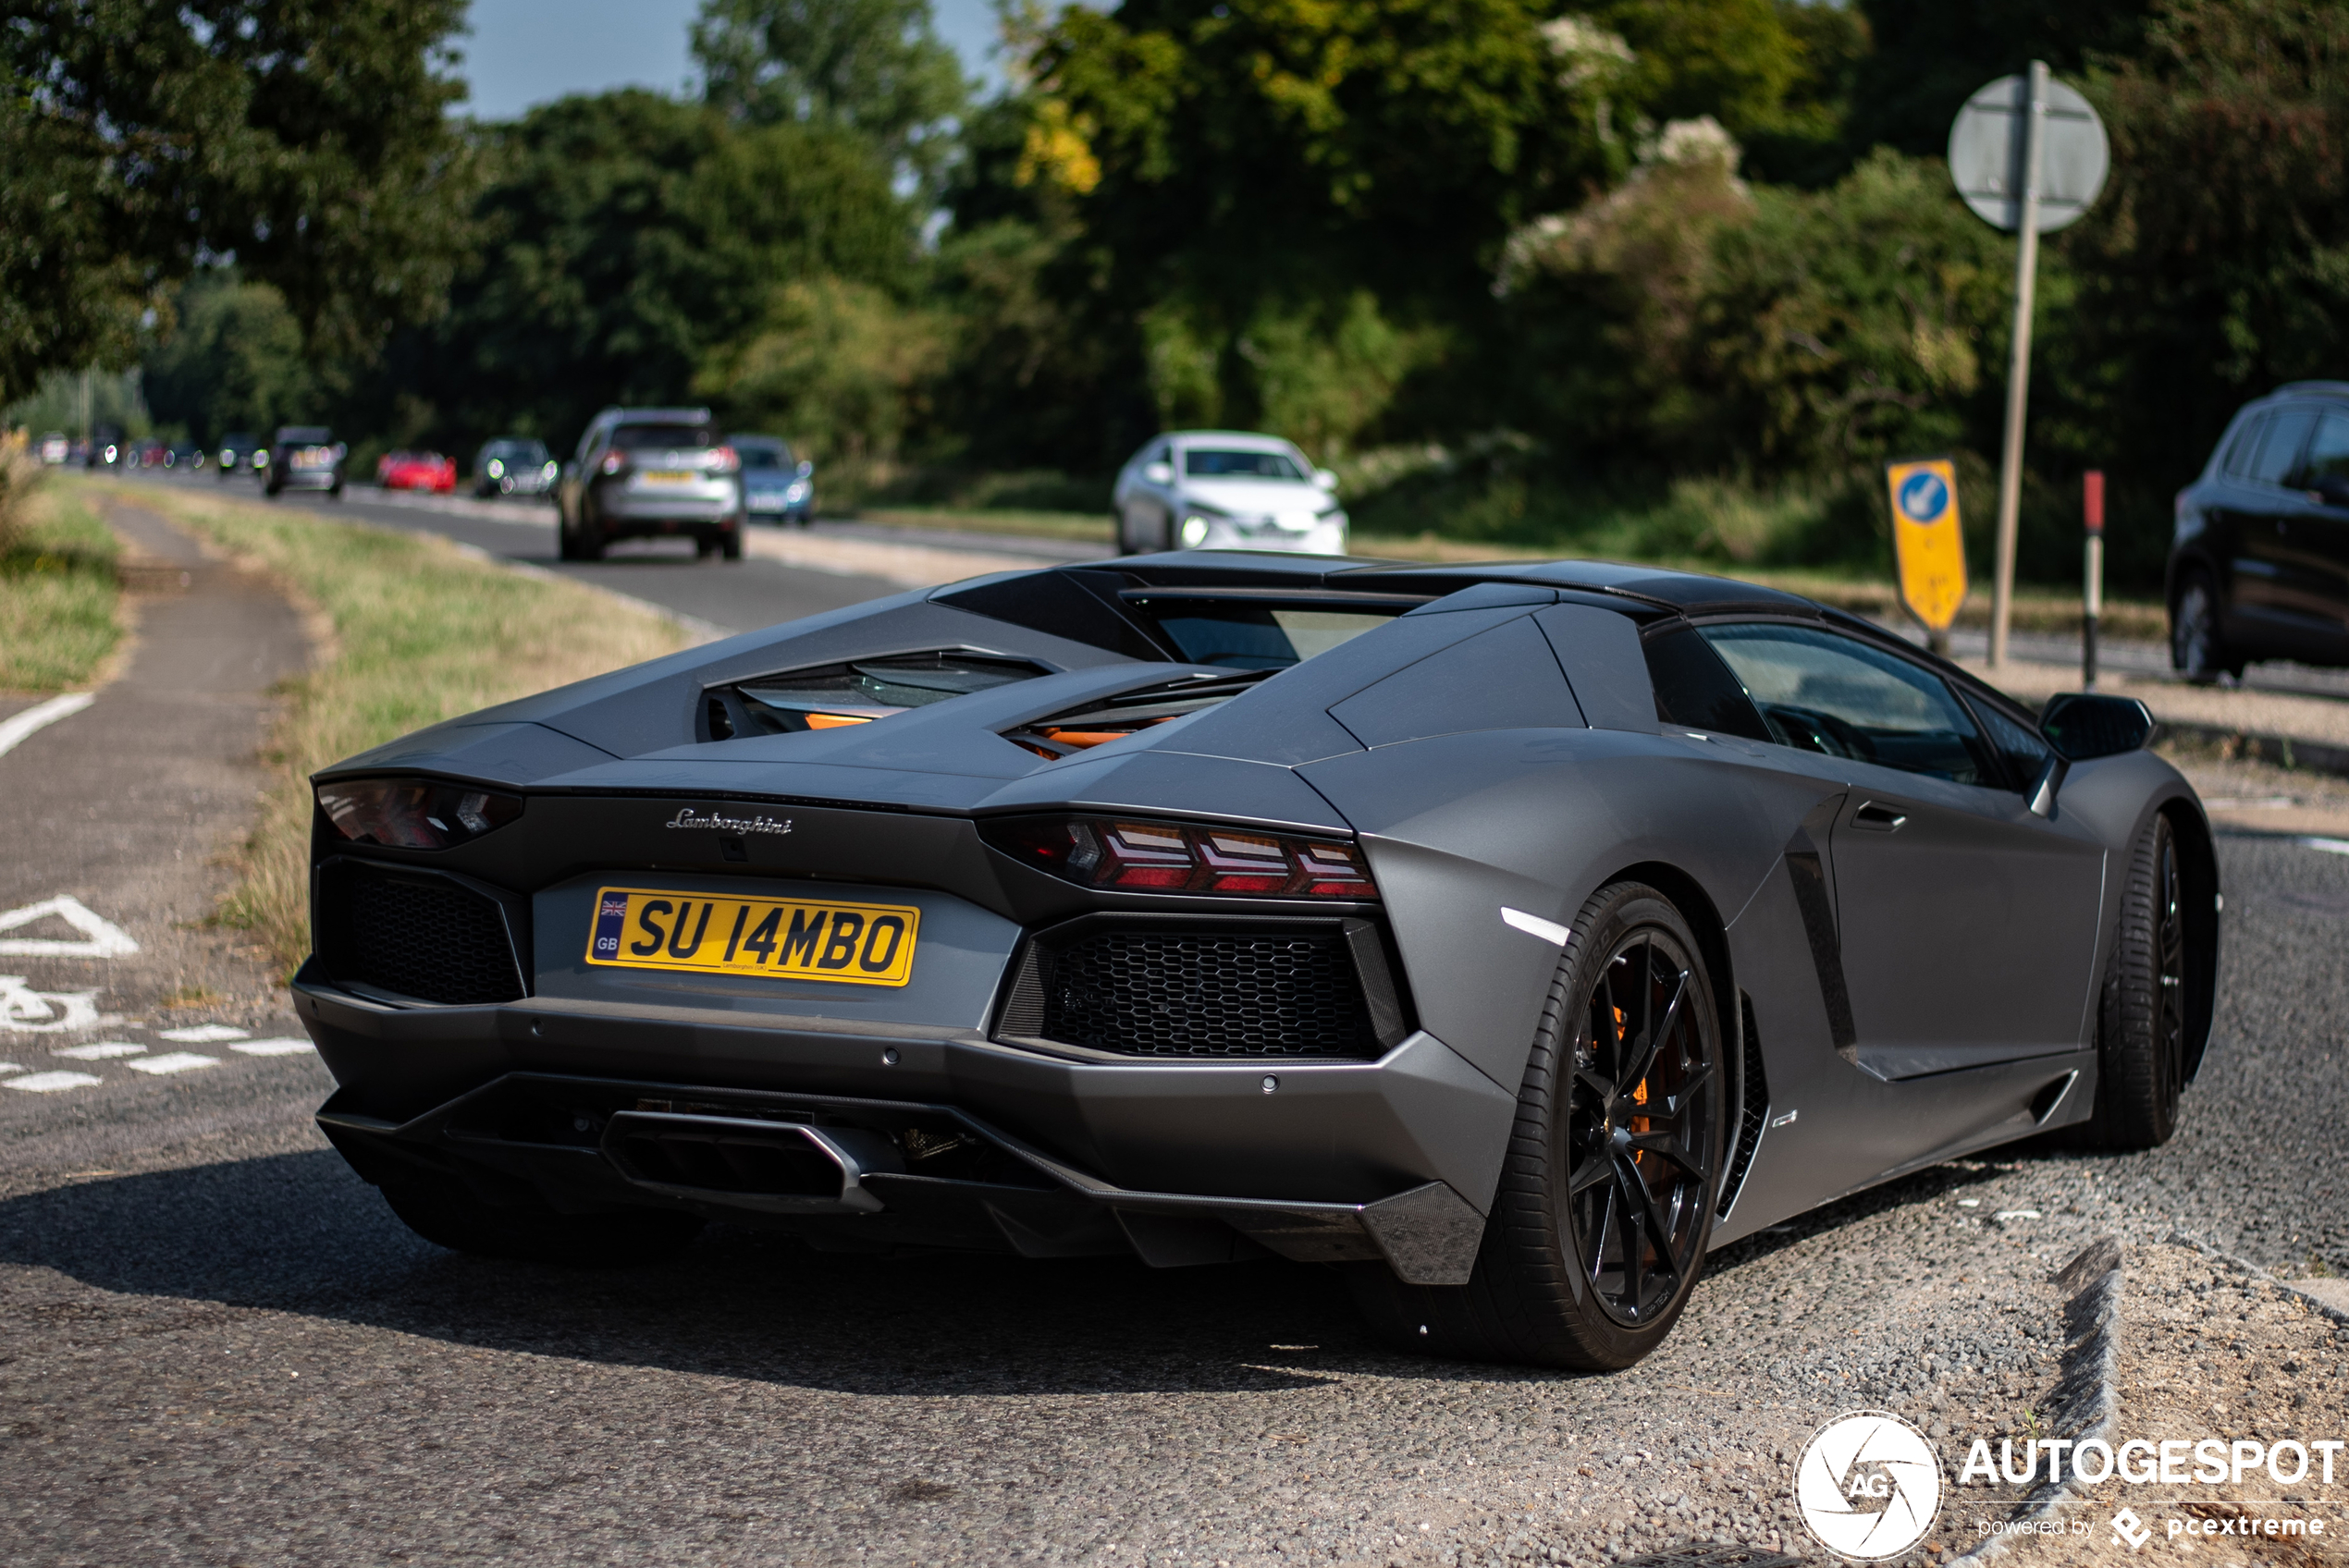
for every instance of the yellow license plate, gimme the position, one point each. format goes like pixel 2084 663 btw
pixel 668 476
pixel 651 928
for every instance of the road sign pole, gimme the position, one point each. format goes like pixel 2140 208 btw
pixel 2092 588
pixel 2026 273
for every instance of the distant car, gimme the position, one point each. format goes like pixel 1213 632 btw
pixel 777 487
pixel 304 457
pixel 2260 557
pixel 56 448
pixel 645 473
pixel 417 471
pixel 1226 490
pixel 514 465
pixel 238 450
pixel 183 454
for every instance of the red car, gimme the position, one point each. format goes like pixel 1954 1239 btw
pixel 417 471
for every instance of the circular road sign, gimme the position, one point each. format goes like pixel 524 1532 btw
pixel 1986 155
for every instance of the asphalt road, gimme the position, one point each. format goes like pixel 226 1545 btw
pixel 217 1346
pixel 730 595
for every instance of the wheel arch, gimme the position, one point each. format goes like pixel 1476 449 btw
pixel 1696 906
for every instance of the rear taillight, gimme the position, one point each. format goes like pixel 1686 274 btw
pixel 613 462
pixel 413 813
pixel 1144 856
pixel 725 459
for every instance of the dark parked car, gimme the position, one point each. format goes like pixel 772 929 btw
pixel 2260 561
pixel 304 457
pixel 776 486
pixel 241 452
pixel 646 473
pixel 1508 936
pixel 514 466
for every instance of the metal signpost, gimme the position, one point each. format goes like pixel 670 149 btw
pixel 2029 155
pixel 1927 543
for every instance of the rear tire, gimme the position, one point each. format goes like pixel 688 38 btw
pixel 2197 646
pixel 1571 1274
pixel 444 1213
pixel 730 546
pixel 2140 1018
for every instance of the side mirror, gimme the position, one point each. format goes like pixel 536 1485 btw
pixel 1325 479
pixel 2081 725
pixel 2330 489
pixel 804 467
pixel 1159 473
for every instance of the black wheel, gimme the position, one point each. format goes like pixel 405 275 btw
pixel 446 1215
pixel 2141 1019
pixel 1598 1232
pixel 729 548
pixel 588 543
pixel 565 548
pixel 2197 648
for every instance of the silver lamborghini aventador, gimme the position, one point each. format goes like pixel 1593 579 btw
pixel 1509 936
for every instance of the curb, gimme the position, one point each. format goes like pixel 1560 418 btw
pixel 2260 1276
pixel 2284 751
pixel 2087 1396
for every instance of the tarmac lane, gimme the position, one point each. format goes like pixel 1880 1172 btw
pixel 218 1346
pixel 115 990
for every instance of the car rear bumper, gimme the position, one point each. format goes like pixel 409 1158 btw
pixel 1178 1162
pixel 618 505
pixel 307 479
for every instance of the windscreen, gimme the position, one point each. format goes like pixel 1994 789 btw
pixel 1210 462
pixel 763 454
pixel 304 436
pixel 643 438
pixel 1250 636
pixel 520 451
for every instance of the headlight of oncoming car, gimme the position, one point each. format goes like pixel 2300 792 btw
pixel 1174 857
pixel 413 813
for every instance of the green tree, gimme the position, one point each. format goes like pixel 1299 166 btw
pixel 874 67
pixel 233 362
pixel 307 138
pixel 1930 56
pixel 626 237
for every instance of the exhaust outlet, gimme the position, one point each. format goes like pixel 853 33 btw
pixel 742 1162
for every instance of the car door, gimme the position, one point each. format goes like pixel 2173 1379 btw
pixel 2320 539
pixel 1968 925
pixel 2268 590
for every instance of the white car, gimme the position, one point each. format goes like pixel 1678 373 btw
pixel 1226 490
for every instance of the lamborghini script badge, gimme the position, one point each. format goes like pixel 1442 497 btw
pixel 685 817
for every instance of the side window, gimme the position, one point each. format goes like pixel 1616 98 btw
pixel 1695 690
pixel 2280 453
pixel 2246 448
pixel 1821 692
pixel 2329 458
pixel 2024 749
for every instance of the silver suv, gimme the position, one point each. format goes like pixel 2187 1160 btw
pixel 651 473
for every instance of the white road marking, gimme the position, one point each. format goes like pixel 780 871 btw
pixel 41 715
pixel 202 1035
pixel 9 1066
pixel 100 937
pixel 26 1010
pixel 1534 925
pixel 272 1048
pixel 99 1050
pixel 49 1082
pixel 2017 1213
pixel 172 1061
pixel 2329 846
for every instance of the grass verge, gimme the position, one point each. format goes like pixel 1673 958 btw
pixel 421 632
pixel 60 599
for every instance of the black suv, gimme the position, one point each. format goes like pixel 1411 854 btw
pixel 2259 562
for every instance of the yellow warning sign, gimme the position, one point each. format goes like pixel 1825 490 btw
pixel 1927 539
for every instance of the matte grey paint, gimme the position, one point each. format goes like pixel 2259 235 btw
pixel 1512 802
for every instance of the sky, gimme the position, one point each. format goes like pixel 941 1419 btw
pixel 527 51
